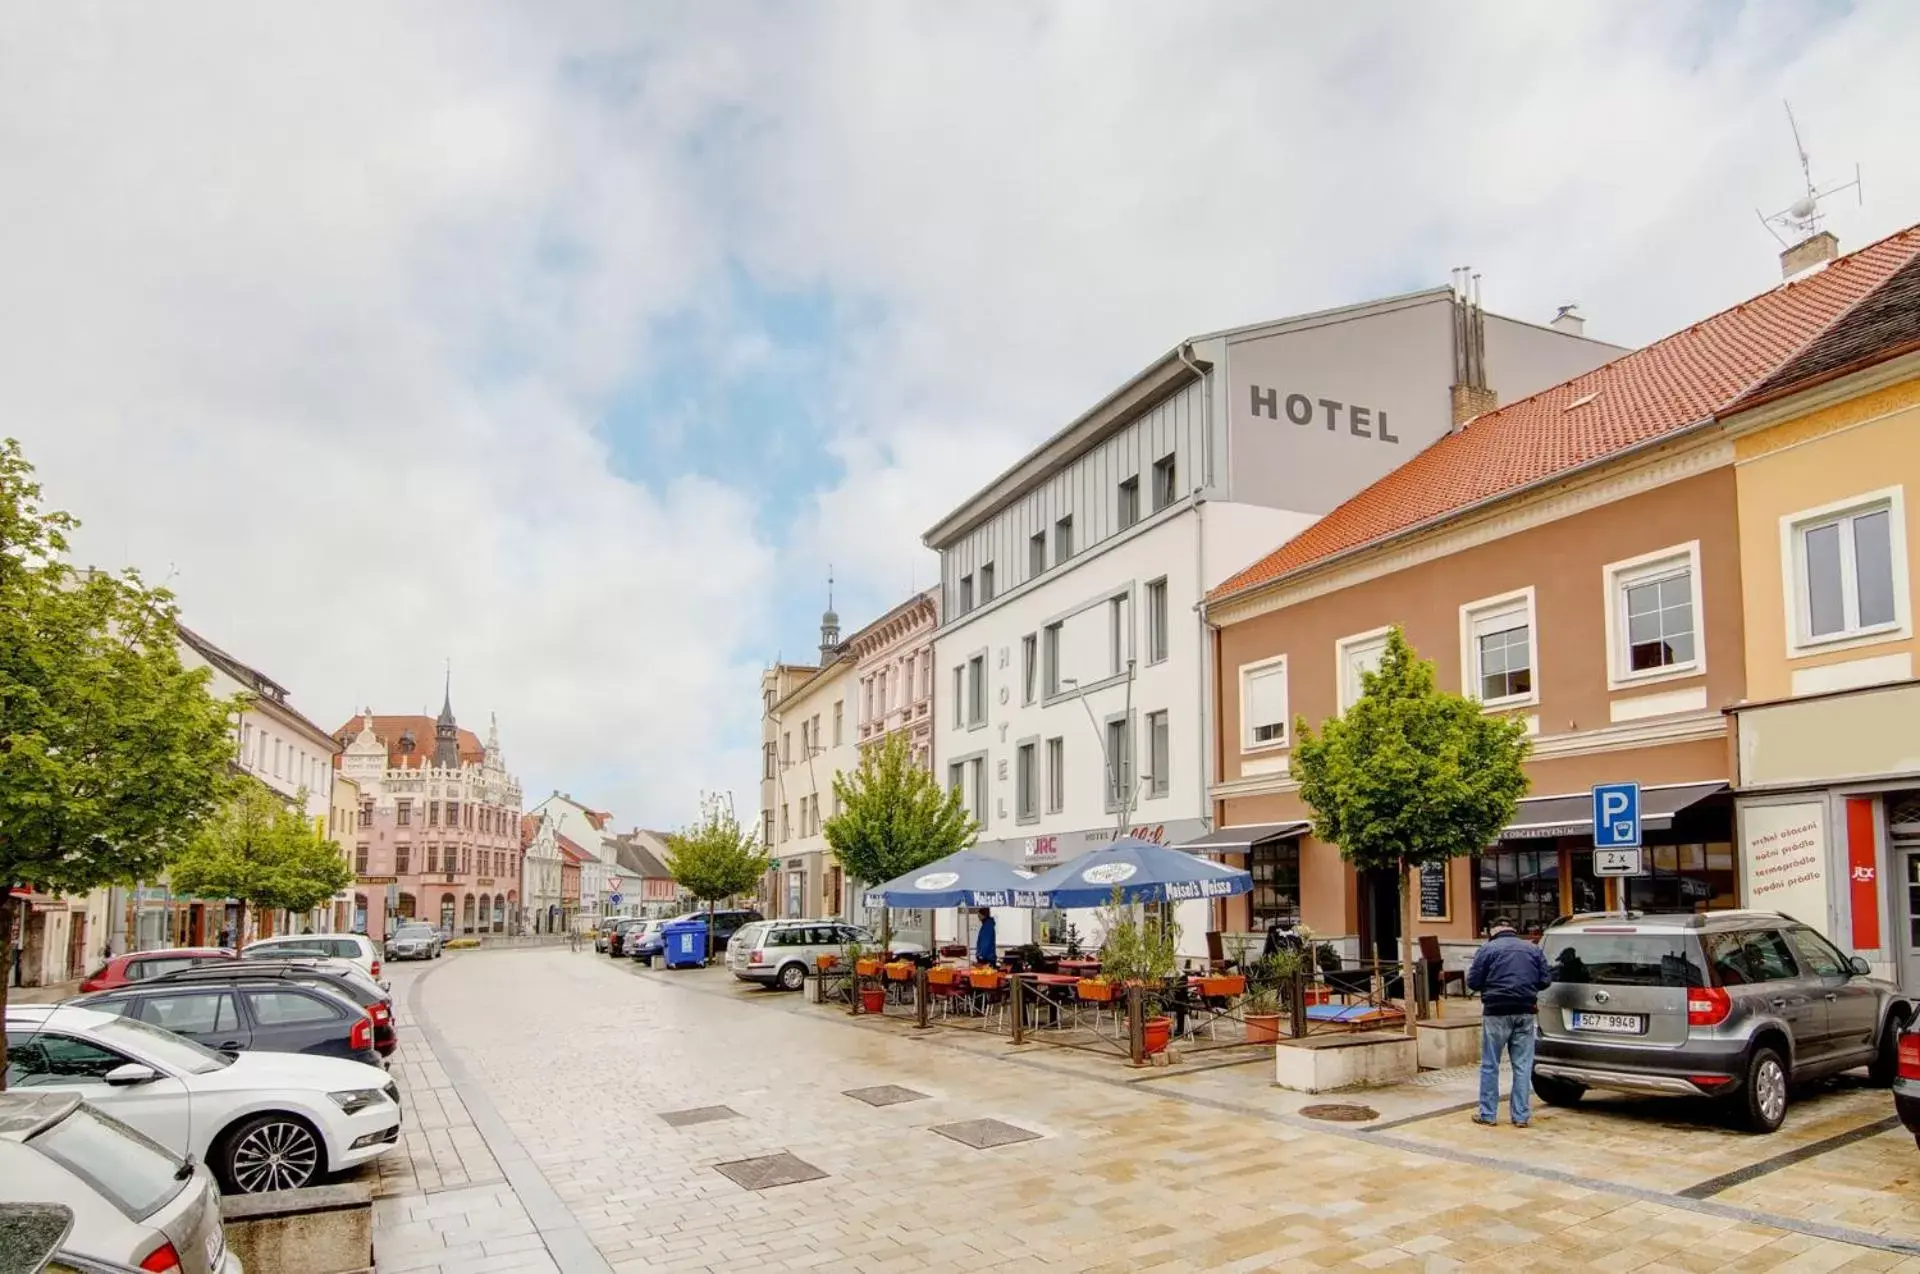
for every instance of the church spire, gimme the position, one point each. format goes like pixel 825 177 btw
pixel 829 625
pixel 446 734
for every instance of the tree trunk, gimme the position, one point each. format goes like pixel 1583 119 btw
pixel 709 931
pixel 1406 942
pixel 240 929
pixel 886 930
pixel 6 969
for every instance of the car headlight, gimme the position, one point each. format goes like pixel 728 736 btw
pixel 355 1100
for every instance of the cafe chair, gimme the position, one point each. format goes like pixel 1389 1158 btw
pixel 1439 977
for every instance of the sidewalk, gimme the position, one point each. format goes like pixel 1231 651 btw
pixel 51 993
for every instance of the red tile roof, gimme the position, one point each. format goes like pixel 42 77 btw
pixel 388 730
pixel 570 852
pixel 1635 399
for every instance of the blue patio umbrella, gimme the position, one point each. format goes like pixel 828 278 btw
pixel 962 879
pixel 1141 870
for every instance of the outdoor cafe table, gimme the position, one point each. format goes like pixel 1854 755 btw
pixel 1080 966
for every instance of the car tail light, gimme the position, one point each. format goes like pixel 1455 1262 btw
pixel 376 968
pixel 1710 1081
pixel 1910 1056
pixel 380 1012
pixel 1708 1005
pixel 360 1039
pixel 759 957
pixel 162 1260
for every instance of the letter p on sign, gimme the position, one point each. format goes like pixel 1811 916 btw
pixel 1616 815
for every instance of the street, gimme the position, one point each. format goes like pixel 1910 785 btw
pixel 541 1087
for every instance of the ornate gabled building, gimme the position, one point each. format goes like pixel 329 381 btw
pixel 437 835
pixel 893 666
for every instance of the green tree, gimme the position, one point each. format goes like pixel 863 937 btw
pixel 715 859
pixel 894 818
pixel 111 753
pixel 264 853
pixel 1412 775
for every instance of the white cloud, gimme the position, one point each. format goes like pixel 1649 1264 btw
pixel 320 306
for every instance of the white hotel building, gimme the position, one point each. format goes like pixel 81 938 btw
pixel 1070 586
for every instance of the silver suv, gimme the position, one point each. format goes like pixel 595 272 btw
pixel 1731 1004
pixel 780 952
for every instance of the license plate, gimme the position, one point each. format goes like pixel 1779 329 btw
pixel 1610 1023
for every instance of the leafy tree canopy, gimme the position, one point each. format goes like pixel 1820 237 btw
pixel 894 817
pixel 714 858
pixel 264 852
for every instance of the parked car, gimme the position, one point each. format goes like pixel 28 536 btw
pixel 261 1121
pixel 134 1202
pixel 415 941
pixel 336 975
pixel 638 936
pixel 618 932
pixel 1906 1079
pixel 138 966
pixel 263 1016
pixel 1739 1005
pixel 357 947
pixel 726 923
pixel 779 952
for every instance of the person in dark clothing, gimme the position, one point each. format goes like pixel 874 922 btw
pixel 1509 973
pixel 985 948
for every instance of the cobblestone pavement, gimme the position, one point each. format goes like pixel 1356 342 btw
pixel 536 1084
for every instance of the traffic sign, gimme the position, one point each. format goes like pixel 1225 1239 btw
pixel 613 900
pixel 1616 816
pixel 1616 862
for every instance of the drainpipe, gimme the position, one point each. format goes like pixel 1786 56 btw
pixel 1206 628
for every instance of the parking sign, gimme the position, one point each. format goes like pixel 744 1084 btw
pixel 1616 816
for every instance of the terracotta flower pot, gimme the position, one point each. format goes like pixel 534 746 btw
pixel 1158 1031
pixel 825 962
pixel 867 968
pixel 873 999
pixel 1263 1028
pixel 1096 990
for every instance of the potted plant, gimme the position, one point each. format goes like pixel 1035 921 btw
pixel 1143 951
pixel 1272 978
pixel 1073 942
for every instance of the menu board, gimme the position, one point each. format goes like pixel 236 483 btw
pixel 1433 891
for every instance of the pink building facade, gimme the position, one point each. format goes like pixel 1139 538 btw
pixel 893 671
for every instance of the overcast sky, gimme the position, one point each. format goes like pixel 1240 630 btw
pixel 571 342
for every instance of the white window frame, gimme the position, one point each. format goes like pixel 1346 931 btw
pixel 1616 578
pixel 1794 574
pixel 1027 780
pixel 1248 672
pixel 1030 668
pixel 1343 650
pixel 1518 601
pixel 1159 621
pixel 1159 781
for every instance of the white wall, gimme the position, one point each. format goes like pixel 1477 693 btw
pixel 799 775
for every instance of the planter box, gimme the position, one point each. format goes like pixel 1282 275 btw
pixel 1227 986
pixel 1445 1045
pixel 900 972
pixel 1101 992
pixel 942 977
pixel 1320 1064
pixel 991 980
pixel 867 968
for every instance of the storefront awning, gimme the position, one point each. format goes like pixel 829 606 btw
pixel 1238 840
pixel 1544 817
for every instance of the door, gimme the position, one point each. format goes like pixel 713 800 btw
pixel 207 1017
pixel 289 1019
pixel 1908 907
pixel 1776 986
pixel 46 1061
pixel 1852 1004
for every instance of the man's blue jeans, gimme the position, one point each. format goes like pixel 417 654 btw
pixel 1510 1034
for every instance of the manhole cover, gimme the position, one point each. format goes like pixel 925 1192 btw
pixel 768 1171
pixel 885 1095
pixel 985 1134
pixel 1341 1113
pixel 698 1115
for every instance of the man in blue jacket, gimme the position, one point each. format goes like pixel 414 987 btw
pixel 1509 973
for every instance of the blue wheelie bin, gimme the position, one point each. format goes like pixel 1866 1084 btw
pixel 686 943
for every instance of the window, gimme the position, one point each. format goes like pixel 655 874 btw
pixel 288 1007
pixel 880 696
pixel 1129 502
pixel 785 827
pixel 433 859
pixel 199 1013
pixel 1498 649
pixel 360 859
pixel 960 696
pixel 1275 866
pixel 1354 657
pixel 806 739
pixel 1156 621
pixel 1062 540
pixel 1653 616
pixel 767 760
pixel 453 813
pixel 42 1059
pixel 1849 571
pixel 1036 554
pixel 986 583
pixel 839 722
pixel 402 860
pixel 786 747
pixel 1026 781
pixel 1642 959
pixel 1263 704
pixel 1056 774
pixel 1159 753
pixel 977 691
pixel 1117 634
pixel 136 1174
pixel 1029 666
pixel 977 776
pixel 433 813
pixel 1521 884
pixel 1119 763
pixel 366 813
pixel 1166 482
pixel 1682 878
pixel 1050 658
pixel 1740 958
pixel 966 593
pixel 957 778
pixel 1816 954
pixel 403 814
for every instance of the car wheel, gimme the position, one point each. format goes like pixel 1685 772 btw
pixel 1763 1101
pixel 1558 1092
pixel 270 1152
pixel 793 977
pixel 1885 1067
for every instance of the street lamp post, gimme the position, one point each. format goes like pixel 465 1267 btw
pixel 1115 774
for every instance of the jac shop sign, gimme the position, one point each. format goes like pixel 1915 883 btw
pixel 1307 411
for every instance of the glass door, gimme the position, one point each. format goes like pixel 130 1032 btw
pixel 1909 907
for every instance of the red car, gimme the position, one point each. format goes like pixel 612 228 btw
pixel 141 965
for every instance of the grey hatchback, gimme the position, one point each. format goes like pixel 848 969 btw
pixel 1732 1004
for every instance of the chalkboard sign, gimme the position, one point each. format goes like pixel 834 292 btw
pixel 1433 891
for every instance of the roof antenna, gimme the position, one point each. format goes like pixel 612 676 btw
pixel 1801 218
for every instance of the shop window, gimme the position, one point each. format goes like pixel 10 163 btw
pixel 1682 878
pixel 1275 867
pixel 1521 884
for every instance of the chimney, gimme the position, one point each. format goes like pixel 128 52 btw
pixel 1569 320
pixel 1816 249
pixel 1471 395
